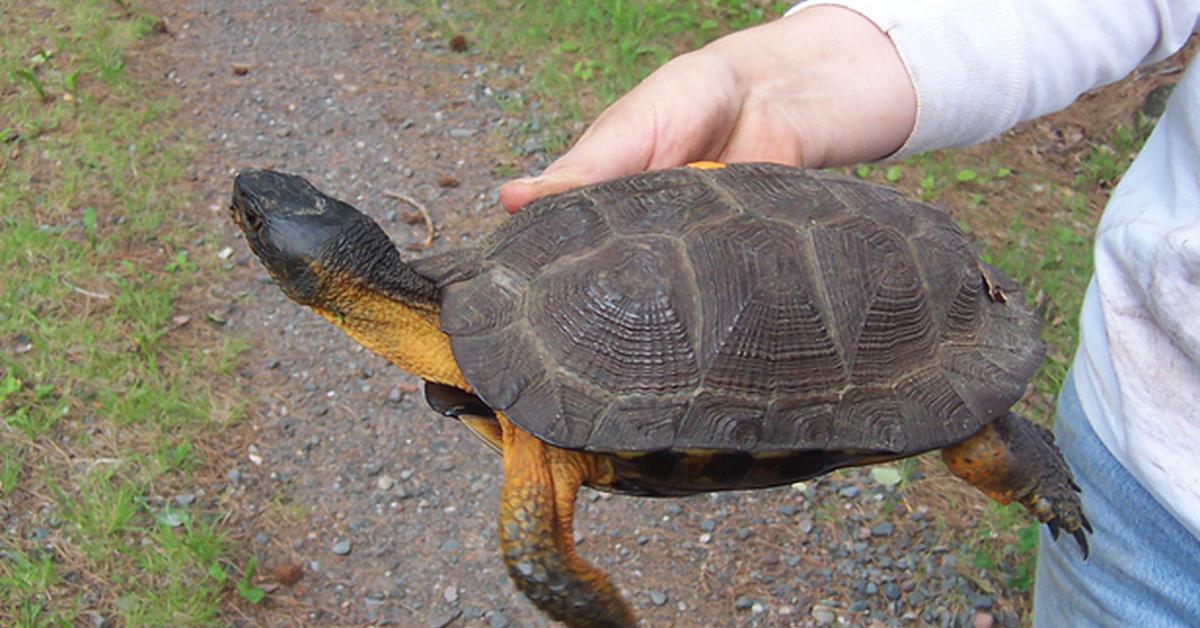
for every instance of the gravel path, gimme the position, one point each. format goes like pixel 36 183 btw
pixel 386 511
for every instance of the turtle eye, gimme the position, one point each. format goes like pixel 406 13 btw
pixel 252 218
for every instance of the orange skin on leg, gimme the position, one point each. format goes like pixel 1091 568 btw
pixel 536 525
pixel 983 462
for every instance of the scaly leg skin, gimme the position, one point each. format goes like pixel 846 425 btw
pixel 537 508
pixel 1011 459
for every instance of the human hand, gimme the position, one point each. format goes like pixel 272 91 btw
pixel 821 87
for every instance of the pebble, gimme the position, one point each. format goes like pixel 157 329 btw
pixel 461 133
pixel 385 482
pixel 891 591
pixel 883 529
pixel 658 598
pixel 743 602
pixel 373 467
pixel 262 538
pixel 395 396
pixel 823 615
pixel 442 620
pixel 450 594
pixel 498 620
pixel 983 620
pixel 983 602
pixel 849 492
pixel 341 548
pixel 708 525
pixel 185 499
pixel 757 608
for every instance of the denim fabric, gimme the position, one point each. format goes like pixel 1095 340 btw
pixel 1144 569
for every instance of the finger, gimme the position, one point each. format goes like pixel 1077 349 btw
pixel 617 144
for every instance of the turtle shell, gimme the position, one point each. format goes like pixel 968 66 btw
pixel 752 308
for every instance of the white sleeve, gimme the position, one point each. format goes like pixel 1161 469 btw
pixel 981 66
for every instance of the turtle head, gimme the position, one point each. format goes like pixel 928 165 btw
pixel 327 255
pixel 320 250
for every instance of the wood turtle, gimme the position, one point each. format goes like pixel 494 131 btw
pixel 702 328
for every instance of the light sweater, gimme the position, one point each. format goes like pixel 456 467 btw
pixel 981 66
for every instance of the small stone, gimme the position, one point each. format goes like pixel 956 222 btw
pixel 262 538
pixel 240 69
pixel 673 509
pixel 450 594
pixel 498 620
pixel 385 482
pixel 806 526
pixel 185 499
pixel 823 615
pixel 708 525
pixel 891 591
pixel 883 529
pixel 983 620
pixel 743 602
pixel 342 547
pixel 445 464
pixel 642 539
pixel 982 602
pixel 233 475
pixel 373 467
pixel 849 492
pixel 658 598
pixel 461 134
pixel 395 396
pixel 787 510
pixel 273 363
pixel 442 620
pixel 447 181
pixel 757 608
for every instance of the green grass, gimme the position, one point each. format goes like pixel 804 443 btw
pixel 583 55
pixel 105 389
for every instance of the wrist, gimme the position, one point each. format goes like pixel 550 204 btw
pixel 833 80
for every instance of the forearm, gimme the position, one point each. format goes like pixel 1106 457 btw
pixel 978 67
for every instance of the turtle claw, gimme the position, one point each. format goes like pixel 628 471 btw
pixel 1053 525
pixel 1081 538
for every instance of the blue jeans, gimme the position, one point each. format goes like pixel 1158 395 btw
pixel 1144 569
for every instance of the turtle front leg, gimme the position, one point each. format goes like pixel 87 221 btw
pixel 537 509
pixel 1011 459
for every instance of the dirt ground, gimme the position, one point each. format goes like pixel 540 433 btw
pixel 386 510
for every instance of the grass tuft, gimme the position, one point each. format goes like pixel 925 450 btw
pixel 103 393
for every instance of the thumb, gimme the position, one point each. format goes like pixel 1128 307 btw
pixel 619 143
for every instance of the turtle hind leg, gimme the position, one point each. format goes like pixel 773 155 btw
pixel 1011 459
pixel 537 508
